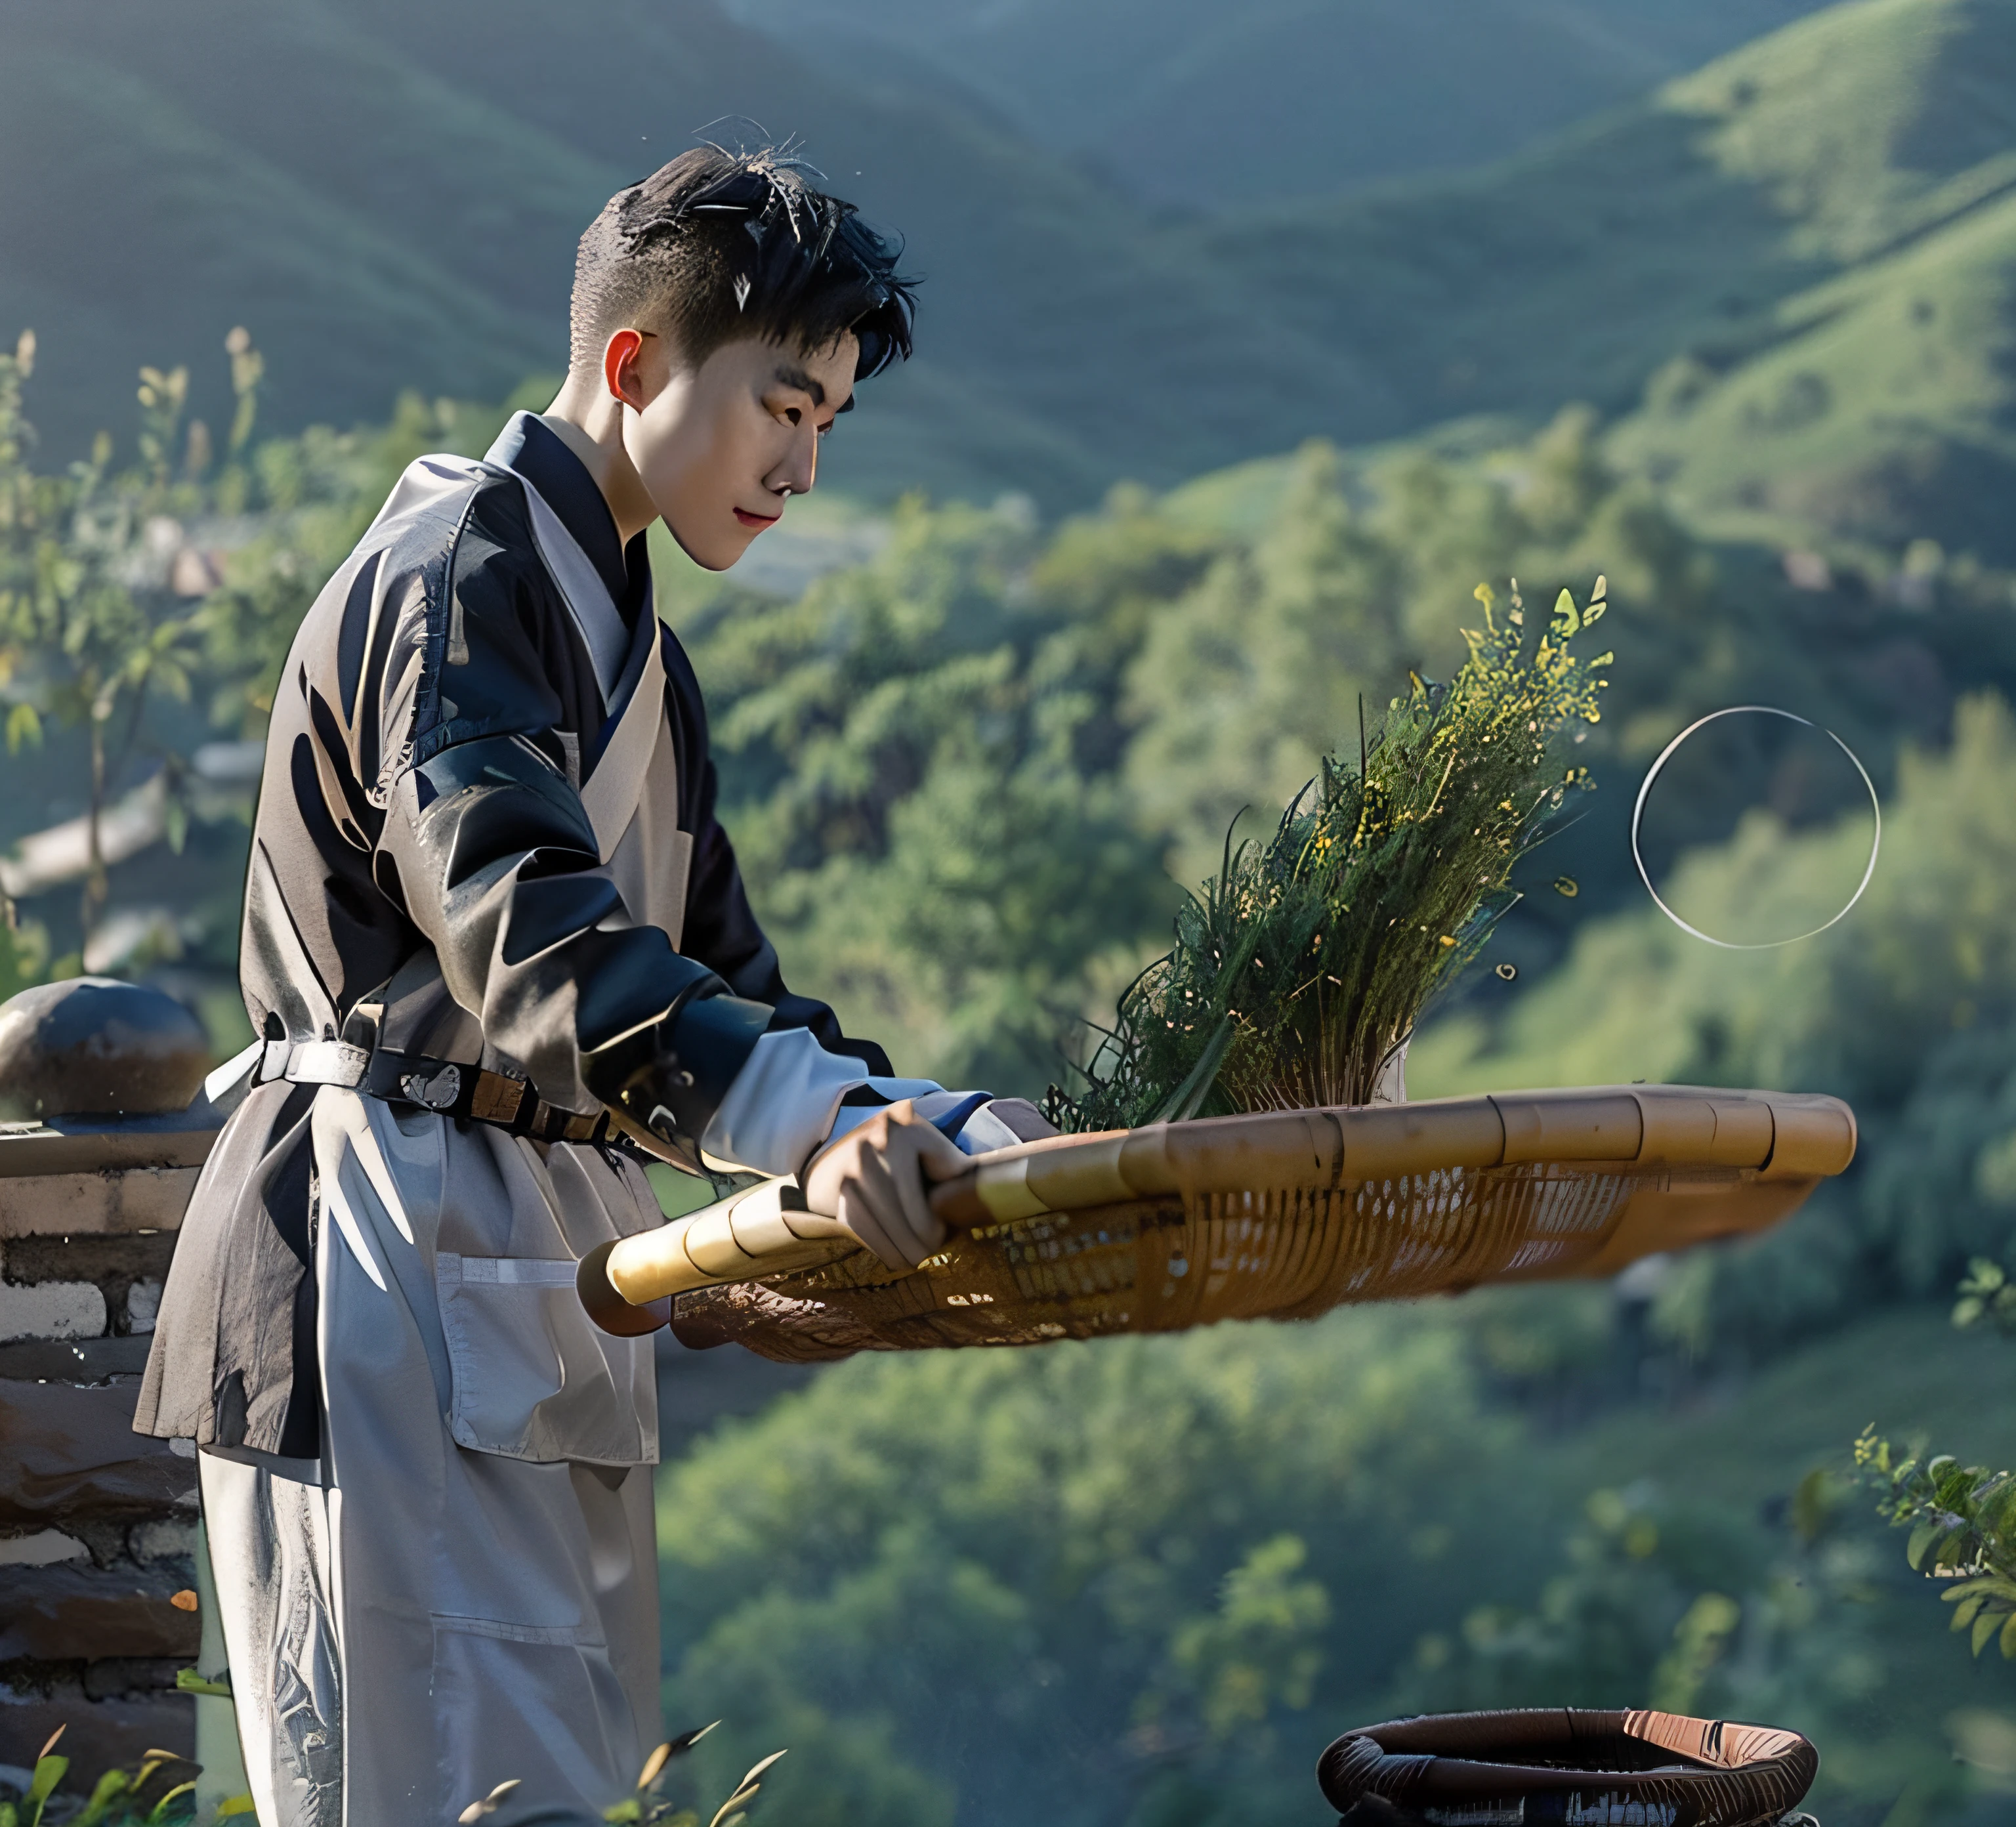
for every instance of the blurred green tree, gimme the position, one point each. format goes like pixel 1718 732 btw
pixel 89 623
pixel 1057 1575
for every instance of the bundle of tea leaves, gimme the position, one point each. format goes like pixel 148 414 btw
pixel 1299 971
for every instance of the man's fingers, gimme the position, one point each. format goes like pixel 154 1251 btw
pixel 898 1188
pixel 864 1224
pixel 878 1179
pixel 870 1210
pixel 911 1161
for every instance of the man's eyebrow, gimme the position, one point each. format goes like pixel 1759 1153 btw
pixel 788 375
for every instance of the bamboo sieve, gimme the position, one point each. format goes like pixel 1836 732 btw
pixel 1281 1214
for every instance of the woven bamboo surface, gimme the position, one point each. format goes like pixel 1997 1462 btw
pixel 1285 1215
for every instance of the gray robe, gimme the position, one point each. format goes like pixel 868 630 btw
pixel 426 1475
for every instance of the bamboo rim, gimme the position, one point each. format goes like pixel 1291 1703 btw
pixel 1595 1766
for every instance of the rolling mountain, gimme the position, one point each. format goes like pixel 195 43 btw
pixel 1788 275
pixel 1782 277
pixel 388 197
pixel 1202 106
pixel 1877 401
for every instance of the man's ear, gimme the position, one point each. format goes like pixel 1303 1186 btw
pixel 620 367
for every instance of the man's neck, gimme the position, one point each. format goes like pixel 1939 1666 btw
pixel 590 424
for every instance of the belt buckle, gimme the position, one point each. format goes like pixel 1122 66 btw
pixel 436 1091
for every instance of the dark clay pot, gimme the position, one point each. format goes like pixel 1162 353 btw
pixel 94 1046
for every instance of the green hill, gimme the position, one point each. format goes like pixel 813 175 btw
pixel 1879 400
pixel 390 197
pixel 1193 104
pixel 1788 269
pixel 1782 276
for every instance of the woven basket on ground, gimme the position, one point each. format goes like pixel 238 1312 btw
pixel 1282 1215
pixel 1583 1769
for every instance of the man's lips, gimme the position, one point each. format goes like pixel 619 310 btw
pixel 757 520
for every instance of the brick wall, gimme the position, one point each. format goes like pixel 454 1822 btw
pixel 97 1525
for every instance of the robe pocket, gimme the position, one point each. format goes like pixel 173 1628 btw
pixel 534 1377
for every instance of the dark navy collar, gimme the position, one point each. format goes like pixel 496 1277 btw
pixel 541 455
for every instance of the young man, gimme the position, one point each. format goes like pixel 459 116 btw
pixel 491 919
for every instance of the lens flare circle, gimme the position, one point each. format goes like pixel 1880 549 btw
pixel 1672 748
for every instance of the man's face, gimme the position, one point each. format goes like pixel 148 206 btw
pixel 719 448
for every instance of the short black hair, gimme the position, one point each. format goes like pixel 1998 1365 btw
pixel 719 245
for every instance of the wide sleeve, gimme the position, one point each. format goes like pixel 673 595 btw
pixel 487 845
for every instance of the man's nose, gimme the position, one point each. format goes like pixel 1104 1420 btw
pixel 800 470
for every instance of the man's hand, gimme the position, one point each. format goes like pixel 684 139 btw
pixel 872 1184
